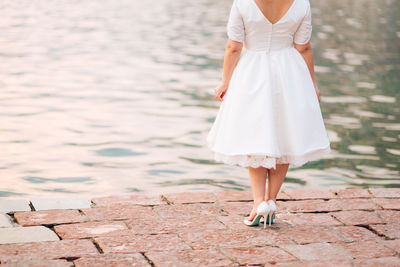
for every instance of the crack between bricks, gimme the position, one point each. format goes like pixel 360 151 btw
pixel 86 218
pixel 31 206
pixel 147 259
pixel 366 226
pixel 163 198
pixel 72 262
pixel 51 227
pixel 96 245
pixel 12 217
pixel 226 254
pixel 93 204
pixel 183 240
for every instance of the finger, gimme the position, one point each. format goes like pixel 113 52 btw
pixel 223 94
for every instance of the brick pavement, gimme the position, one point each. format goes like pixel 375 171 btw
pixel 346 227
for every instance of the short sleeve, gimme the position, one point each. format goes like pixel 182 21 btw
pixel 235 26
pixel 303 33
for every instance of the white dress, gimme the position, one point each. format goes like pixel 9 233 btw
pixel 270 112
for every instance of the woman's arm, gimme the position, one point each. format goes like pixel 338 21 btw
pixel 307 53
pixel 231 58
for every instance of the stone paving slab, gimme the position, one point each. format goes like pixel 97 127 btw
pixel 384 262
pixel 88 229
pixel 200 257
pixel 119 212
pixel 128 242
pixel 134 199
pixel 60 203
pixel 302 194
pixel 12 205
pixel 318 251
pixel 26 234
pixel 187 197
pixel 385 192
pixel 388 203
pixel 5 220
pixel 73 248
pixel 37 263
pixel 48 217
pixel 259 255
pixel 341 227
pixel 105 260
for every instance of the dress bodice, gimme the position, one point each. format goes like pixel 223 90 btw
pixel 248 24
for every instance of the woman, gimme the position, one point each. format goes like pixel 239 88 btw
pixel 269 118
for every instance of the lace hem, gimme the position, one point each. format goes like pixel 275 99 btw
pixel 267 161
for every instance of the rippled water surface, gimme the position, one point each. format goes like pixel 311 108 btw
pixel 114 97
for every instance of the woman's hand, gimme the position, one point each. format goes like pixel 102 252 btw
pixel 220 91
pixel 318 92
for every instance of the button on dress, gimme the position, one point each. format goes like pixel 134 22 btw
pixel 270 113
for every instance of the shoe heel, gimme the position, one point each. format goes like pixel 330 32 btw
pixel 270 218
pixel 265 221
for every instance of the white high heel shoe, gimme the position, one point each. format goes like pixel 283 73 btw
pixel 271 212
pixel 262 211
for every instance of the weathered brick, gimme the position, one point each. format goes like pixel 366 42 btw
pixel 188 210
pixel 321 219
pixel 354 204
pixel 238 208
pixel 353 193
pixel 282 195
pixel 48 217
pixel 174 224
pixel 234 195
pixel 312 205
pixel 133 199
pixel 304 234
pixel 386 192
pixel 390 216
pixel 259 255
pixel 357 217
pixel 391 230
pixel 201 257
pixel 388 203
pixel 128 242
pixel 301 194
pixel 36 263
pixel 115 260
pixel 385 261
pixel 119 212
pixel 320 263
pixel 47 250
pixel 354 233
pixel 393 244
pixel 190 197
pixel 317 252
pixel 367 249
pixel 88 229
pixel 237 238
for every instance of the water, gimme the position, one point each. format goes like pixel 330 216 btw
pixel 115 97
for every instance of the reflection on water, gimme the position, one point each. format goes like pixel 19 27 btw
pixel 111 97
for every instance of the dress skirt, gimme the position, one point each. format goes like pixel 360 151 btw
pixel 270 113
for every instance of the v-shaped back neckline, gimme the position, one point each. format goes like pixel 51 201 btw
pixel 284 15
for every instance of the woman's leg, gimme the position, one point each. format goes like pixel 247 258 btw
pixel 258 177
pixel 275 180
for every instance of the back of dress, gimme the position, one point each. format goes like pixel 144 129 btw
pixel 270 113
pixel 248 24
